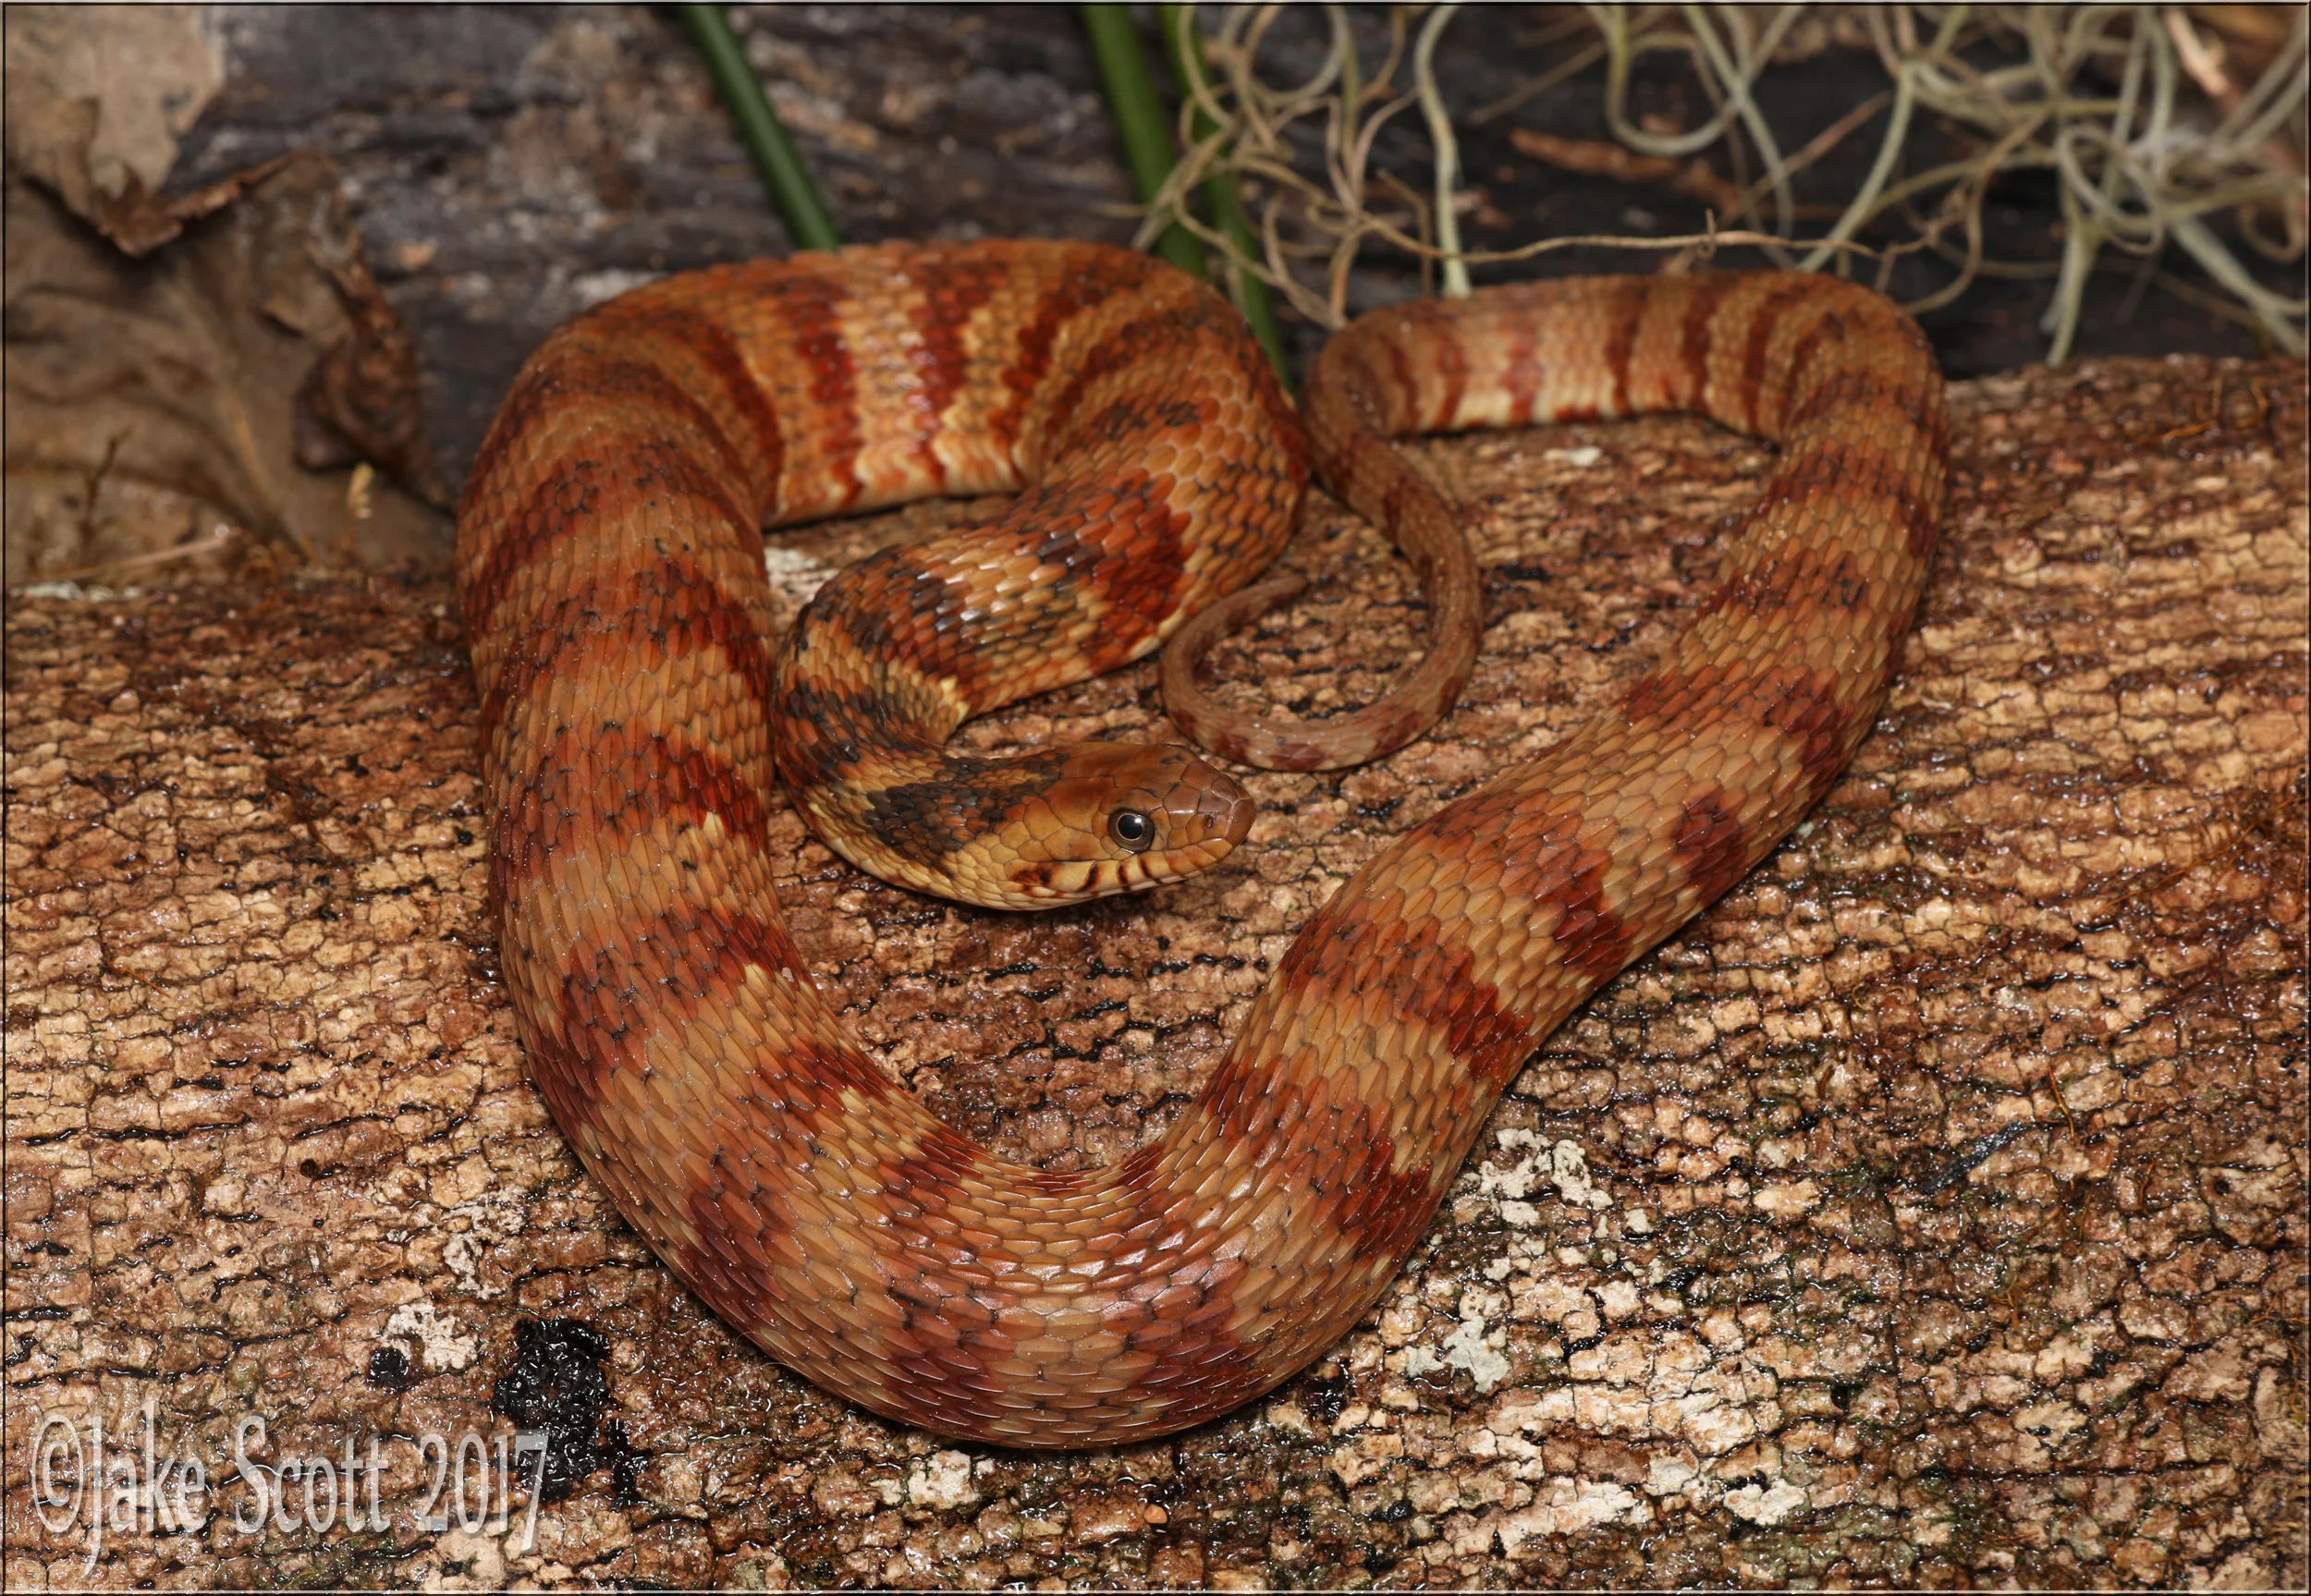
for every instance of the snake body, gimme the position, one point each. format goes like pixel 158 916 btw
pixel 617 605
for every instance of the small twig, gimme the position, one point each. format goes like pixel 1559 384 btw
pixel 92 482
pixel 221 536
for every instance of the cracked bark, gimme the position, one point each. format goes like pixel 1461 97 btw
pixel 1929 1212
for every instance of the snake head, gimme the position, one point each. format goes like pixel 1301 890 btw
pixel 1110 818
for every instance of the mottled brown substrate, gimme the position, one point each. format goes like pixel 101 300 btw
pixel 1926 1212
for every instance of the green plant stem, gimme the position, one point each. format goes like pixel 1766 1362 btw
pixel 1140 121
pixel 759 128
pixel 1219 189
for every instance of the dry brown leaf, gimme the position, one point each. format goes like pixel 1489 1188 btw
pixel 220 383
pixel 98 97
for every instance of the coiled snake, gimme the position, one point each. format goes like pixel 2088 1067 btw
pixel 633 712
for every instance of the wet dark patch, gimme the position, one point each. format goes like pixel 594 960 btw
pixel 1970 1157
pixel 555 1385
pixel 389 1368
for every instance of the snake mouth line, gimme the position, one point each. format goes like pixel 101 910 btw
pixel 1059 882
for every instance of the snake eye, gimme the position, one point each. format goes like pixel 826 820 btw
pixel 1132 829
